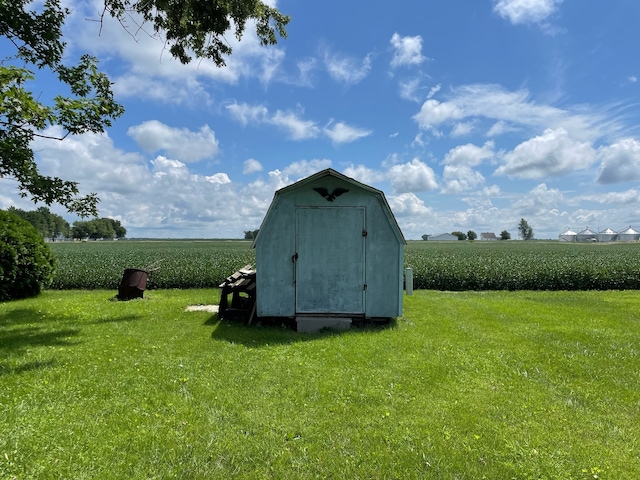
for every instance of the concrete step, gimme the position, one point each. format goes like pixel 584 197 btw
pixel 315 324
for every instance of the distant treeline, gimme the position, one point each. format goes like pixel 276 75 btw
pixel 53 226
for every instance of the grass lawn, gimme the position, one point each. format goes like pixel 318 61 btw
pixel 470 385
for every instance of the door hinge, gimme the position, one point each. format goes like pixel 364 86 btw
pixel 294 258
pixel 364 287
pixel 364 233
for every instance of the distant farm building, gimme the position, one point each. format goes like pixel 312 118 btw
pixel 568 236
pixel 442 237
pixel 329 250
pixel 488 236
pixel 605 236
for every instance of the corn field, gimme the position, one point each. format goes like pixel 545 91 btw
pixel 462 265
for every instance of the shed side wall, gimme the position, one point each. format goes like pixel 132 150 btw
pixel 275 291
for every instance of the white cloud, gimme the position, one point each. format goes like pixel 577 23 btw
pixel 526 11
pixel 462 129
pixel 628 197
pixel 469 155
pixel 414 176
pixel 407 204
pixel 435 89
pixel 539 201
pixel 340 132
pixel 304 168
pixel 153 136
pixel 251 166
pixel 458 179
pixel 347 70
pixel 247 114
pixel 505 108
pixel 407 51
pixel 620 162
pixel 363 174
pixel 296 127
pixel 408 89
pixel 552 153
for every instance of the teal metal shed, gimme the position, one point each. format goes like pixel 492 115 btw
pixel 329 245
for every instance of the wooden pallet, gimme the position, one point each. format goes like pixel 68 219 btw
pixel 242 288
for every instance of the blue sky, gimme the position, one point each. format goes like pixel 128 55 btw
pixel 468 115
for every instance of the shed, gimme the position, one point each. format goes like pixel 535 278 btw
pixel 488 236
pixel 329 246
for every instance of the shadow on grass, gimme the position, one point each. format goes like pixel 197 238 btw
pixel 276 332
pixel 24 329
pixel 27 367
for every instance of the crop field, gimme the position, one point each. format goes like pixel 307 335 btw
pixel 457 266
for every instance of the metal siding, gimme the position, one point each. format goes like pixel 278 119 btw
pixel 275 294
pixel 330 262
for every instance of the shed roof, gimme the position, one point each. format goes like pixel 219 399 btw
pixel 333 173
pixel 489 235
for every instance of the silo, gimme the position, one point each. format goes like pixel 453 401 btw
pixel 587 235
pixel 607 235
pixel 628 235
pixel 568 236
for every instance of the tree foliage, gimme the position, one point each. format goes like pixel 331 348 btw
pixel 190 27
pixel 199 26
pixel 104 228
pixel 460 235
pixel 524 230
pixel 471 235
pixel 27 265
pixel 504 235
pixel 49 225
pixel 250 234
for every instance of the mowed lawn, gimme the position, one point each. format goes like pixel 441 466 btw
pixel 469 385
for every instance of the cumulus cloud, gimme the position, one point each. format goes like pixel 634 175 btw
pixel 526 11
pixel 363 174
pixel 458 179
pixel 251 166
pixel 154 136
pixel 620 161
pixel 470 155
pixel 552 153
pixel 407 204
pixel 540 200
pixel 407 51
pixel 413 176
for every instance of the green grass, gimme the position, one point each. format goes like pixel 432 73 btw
pixel 470 385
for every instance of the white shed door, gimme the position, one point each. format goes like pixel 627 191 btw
pixel 330 276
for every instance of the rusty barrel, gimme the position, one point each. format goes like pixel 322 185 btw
pixel 133 283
